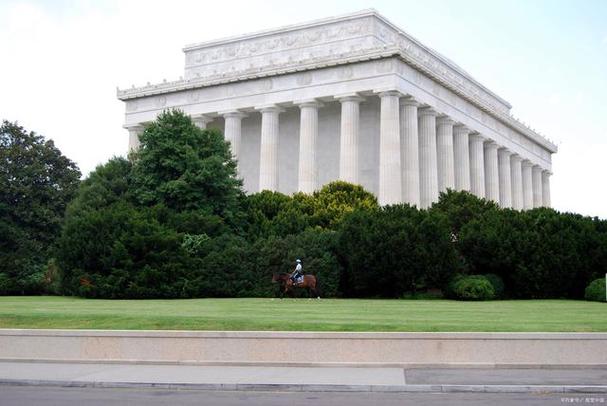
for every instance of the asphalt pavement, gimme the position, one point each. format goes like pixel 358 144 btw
pixel 50 396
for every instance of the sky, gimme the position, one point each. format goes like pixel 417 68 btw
pixel 61 62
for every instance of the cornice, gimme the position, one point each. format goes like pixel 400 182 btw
pixel 336 60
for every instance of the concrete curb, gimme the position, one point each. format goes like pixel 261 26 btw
pixel 316 388
pixel 403 365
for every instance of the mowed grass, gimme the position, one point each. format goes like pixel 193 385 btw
pixel 303 314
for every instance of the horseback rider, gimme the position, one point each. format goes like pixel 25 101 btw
pixel 297 272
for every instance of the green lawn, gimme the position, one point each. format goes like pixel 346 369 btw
pixel 303 314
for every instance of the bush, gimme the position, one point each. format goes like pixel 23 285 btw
pixel 596 290
pixel 497 283
pixel 389 251
pixel 473 287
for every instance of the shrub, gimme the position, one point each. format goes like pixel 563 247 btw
pixel 473 287
pixel 389 251
pixel 596 290
pixel 497 283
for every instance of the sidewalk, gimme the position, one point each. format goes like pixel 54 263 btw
pixel 351 379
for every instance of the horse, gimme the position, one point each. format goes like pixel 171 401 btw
pixel 287 285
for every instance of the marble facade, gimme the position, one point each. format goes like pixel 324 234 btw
pixel 353 98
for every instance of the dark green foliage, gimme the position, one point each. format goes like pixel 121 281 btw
pixel 538 253
pixel 36 183
pixel 186 169
pixel 395 249
pixel 110 248
pixel 596 291
pixel 497 283
pixel 275 214
pixel 315 248
pixel 473 287
pixel 461 208
pixel 162 224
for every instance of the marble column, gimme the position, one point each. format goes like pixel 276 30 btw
pixel 201 121
pixel 268 155
pixel 390 184
pixel 505 179
pixel 546 188
pixel 349 138
pixel 516 175
pixel 233 130
pixel 461 157
pixel 477 165
pixel 492 184
pixel 409 150
pixel 444 148
pixel 536 182
pixel 428 177
pixel 308 134
pixel 527 185
pixel 135 131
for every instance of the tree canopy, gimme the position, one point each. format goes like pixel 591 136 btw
pixel 36 184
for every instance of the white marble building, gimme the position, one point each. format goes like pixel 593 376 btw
pixel 353 98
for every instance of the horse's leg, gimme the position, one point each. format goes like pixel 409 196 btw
pixel 316 291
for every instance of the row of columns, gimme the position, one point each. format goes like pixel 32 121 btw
pixel 421 154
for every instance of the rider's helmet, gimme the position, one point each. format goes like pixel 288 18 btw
pixel 298 261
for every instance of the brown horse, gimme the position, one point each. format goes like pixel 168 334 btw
pixel 287 285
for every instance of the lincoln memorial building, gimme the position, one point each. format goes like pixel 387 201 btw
pixel 352 98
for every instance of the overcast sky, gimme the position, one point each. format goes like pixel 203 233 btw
pixel 61 61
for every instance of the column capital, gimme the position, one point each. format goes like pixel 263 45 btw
pixel 444 120
pixel 426 111
pixel 409 101
pixel 308 103
pixel 527 163
pixel 233 113
pixel 504 151
pixel 536 167
pixel 270 108
pixel 490 144
pixel 349 97
pixel 388 93
pixel 476 136
pixel 459 128
pixel 516 157
pixel 134 127
pixel 547 172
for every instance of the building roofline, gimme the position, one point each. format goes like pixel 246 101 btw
pixel 371 12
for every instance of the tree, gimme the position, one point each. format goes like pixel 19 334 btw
pixel 461 208
pixel 36 183
pixel 337 199
pixel 111 248
pixel 186 169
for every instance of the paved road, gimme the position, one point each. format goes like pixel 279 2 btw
pixel 40 395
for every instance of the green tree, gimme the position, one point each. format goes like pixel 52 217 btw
pixel 187 169
pixel 337 199
pixel 36 183
pixel 111 248
pixel 461 208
